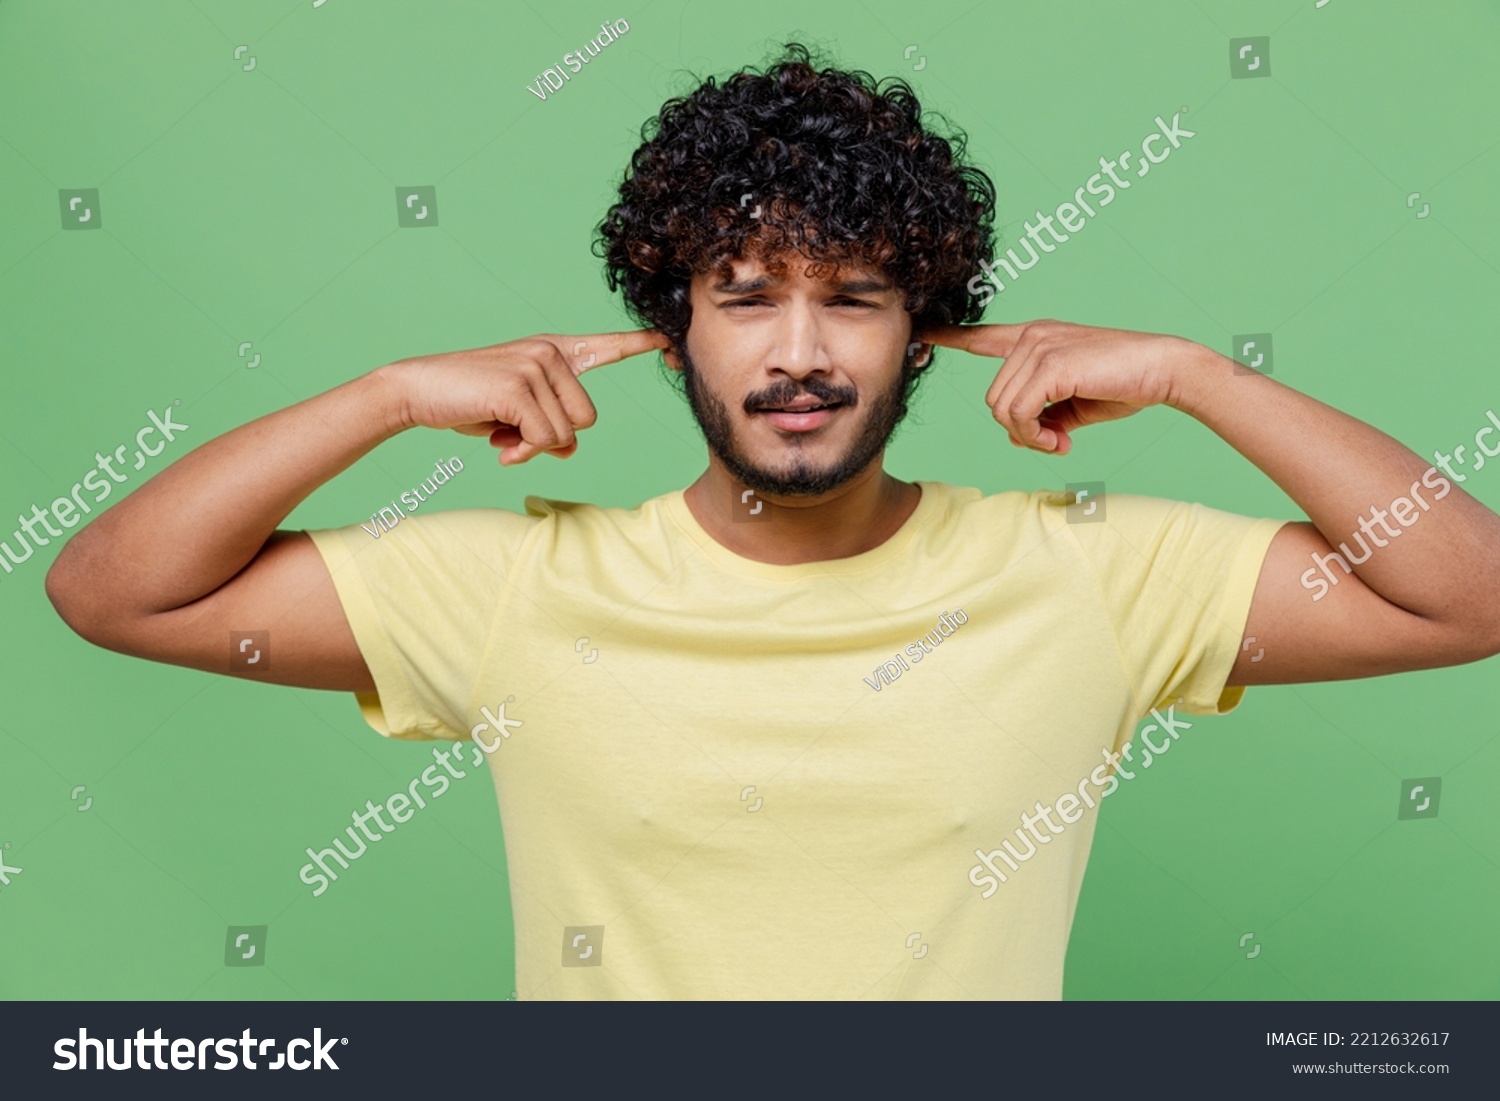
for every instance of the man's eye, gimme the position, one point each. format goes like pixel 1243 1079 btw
pixel 854 302
pixel 742 302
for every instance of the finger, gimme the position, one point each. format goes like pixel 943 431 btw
pixel 534 427
pixel 524 452
pixel 479 428
pixel 1031 398
pixel 521 452
pixel 1002 392
pixel 511 441
pixel 516 448
pixel 557 417
pixel 1006 377
pixel 1064 416
pixel 587 352
pixel 981 340
pixel 1064 440
pixel 1017 366
pixel 507 436
pixel 576 402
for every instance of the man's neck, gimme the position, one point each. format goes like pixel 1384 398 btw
pixel 857 517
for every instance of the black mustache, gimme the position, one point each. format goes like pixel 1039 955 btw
pixel 776 399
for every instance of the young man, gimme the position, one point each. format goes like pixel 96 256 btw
pixel 801 730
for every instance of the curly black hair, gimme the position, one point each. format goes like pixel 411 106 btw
pixel 842 170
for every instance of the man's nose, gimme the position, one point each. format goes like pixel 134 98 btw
pixel 799 348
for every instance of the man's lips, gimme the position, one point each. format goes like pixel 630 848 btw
pixel 801 416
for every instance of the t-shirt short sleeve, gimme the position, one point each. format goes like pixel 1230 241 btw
pixel 1177 580
pixel 421 599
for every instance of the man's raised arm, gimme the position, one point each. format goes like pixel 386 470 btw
pixel 1422 600
pixel 194 553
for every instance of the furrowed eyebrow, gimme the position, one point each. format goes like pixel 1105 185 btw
pixel 848 286
pixel 745 286
pixel 862 286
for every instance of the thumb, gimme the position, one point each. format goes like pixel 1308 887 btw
pixel 1064 415
pixel 1076 412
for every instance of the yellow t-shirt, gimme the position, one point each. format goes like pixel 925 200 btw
pixel 721 778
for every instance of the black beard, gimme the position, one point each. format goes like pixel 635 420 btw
pixel 886 412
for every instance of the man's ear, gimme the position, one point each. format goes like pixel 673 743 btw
pixel 918 353
pixel 672 358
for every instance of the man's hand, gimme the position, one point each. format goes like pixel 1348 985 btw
pixel 1059 376
pixel 194 553
pixel 524 395
pixel 1430 598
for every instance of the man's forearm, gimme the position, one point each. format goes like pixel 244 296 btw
pixel 1442 564
pixel 204 518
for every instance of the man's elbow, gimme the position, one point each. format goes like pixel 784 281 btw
pixel 76 602
pixel 1492 647
pixel 1475 639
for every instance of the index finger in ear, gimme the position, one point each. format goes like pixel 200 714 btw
pixel 584 353
pixel 981 340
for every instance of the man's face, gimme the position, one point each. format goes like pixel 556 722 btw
pixel 764 352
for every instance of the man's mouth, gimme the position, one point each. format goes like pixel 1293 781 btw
pixel 801 405
pixel 802 415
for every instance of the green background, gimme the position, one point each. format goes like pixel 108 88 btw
pixel 260 206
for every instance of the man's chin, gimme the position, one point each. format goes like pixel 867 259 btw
pixel 797 479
